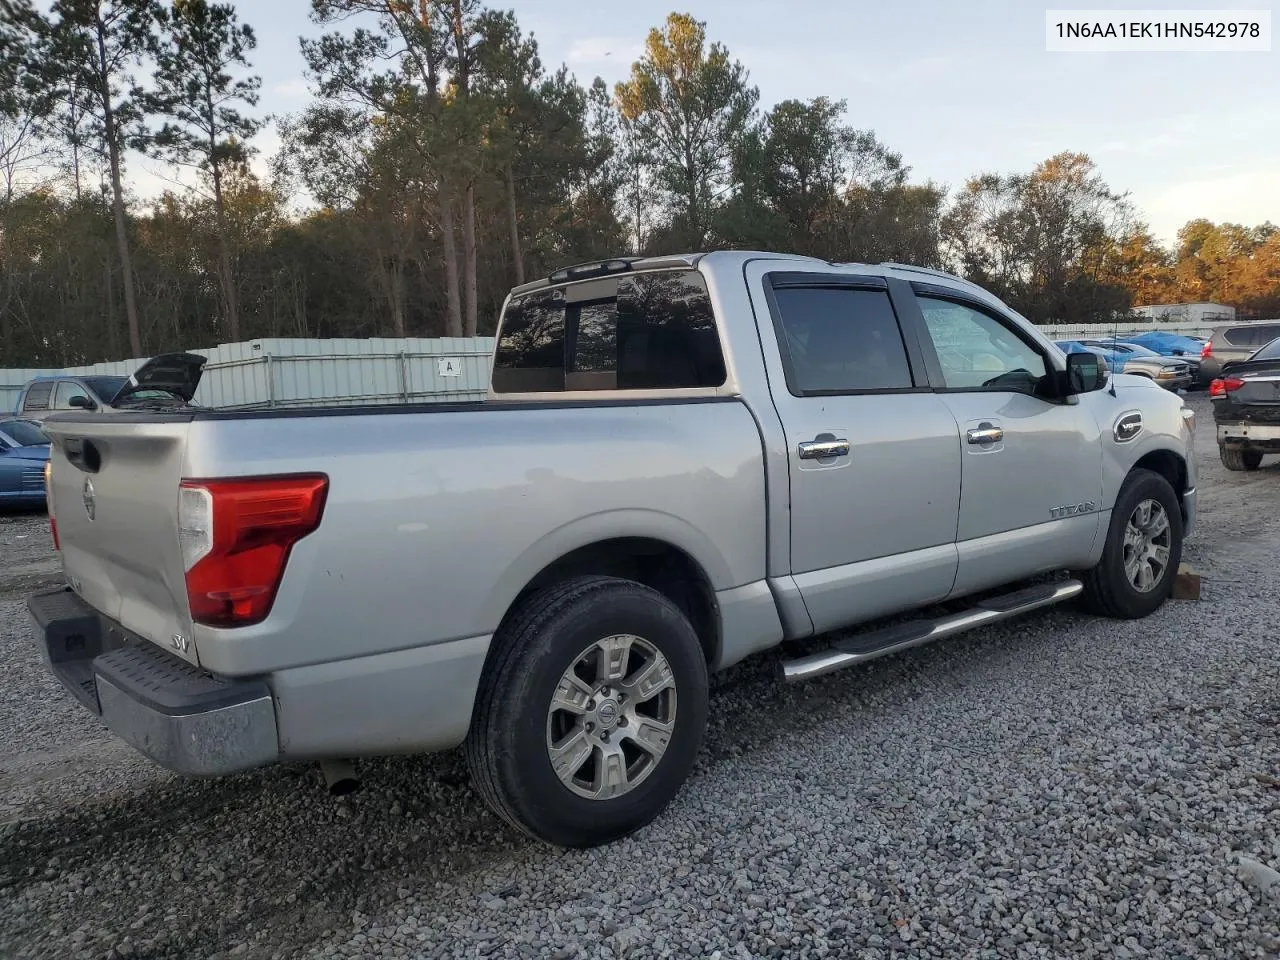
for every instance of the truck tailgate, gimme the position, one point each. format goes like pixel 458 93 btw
pixel 115 501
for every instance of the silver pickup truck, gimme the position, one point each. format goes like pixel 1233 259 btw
pixel 683 461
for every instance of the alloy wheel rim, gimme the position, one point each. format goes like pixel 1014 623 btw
pixel 1148 545
pixel 611 717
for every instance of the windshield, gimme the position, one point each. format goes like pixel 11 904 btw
pixel 25 433
pixel 105 387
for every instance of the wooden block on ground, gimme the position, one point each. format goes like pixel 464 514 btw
pixel 1186 583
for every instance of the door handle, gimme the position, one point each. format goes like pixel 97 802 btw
pixel 986 435
pixel 820 449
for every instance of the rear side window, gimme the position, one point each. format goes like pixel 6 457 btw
pixel 38 396
pixel 1251 336
pixel 841 340
pixel 647 331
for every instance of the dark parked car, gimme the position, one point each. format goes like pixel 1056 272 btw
pixel 45 395
pixel 24 450
pixel 1236 341
pixel 1246 408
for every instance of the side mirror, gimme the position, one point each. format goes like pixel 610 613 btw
pixel 1084 373
pixel 81 402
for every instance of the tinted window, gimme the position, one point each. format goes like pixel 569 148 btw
pixel 648 331
pixel 38 396
pixel 1252 335
pixel 838 340
pixel 1263 334
pixel 977 351
pixel 530 354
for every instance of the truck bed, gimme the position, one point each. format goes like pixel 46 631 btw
pixel 427 505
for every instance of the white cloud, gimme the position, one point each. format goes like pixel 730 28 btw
pixel 1242 196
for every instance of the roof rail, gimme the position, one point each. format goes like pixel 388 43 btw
pixel 603 268
pixel 928 271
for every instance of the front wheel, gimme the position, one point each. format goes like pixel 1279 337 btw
pixel 1143 549
pixel 1233 458
pixel 591 711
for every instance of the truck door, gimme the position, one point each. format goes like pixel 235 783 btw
pixel 1032 464
pixel 874 454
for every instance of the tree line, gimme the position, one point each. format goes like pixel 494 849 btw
pixel 440 161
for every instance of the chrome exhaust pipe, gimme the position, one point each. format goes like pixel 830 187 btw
pixel 339 777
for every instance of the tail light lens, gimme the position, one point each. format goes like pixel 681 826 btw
pixel 1207 349
pixel 1224 385
pixel 48 503
pixel 236 536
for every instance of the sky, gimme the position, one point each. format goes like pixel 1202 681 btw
pixel 957 86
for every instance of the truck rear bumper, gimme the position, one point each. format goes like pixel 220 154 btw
pixel 184 718
pixel 416 700
pixel 1247 435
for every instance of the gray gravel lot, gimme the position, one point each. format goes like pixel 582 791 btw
pixel 1057 786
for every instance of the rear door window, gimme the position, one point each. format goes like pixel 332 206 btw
pixel 840 340
pixel 38 396
pixel 640 332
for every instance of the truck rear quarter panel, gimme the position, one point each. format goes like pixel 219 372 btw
pixel 434 523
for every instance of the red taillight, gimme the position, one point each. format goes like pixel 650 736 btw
pixel 1224 385
pixel 1207 349
pixel 236 536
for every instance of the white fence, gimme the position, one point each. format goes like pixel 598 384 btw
pixel 296 372
pixel 1058 331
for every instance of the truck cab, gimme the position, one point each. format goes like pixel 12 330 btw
pixel 45 395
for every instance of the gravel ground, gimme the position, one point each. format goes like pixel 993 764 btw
pixel 1057 786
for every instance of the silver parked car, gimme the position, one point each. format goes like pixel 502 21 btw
pixel 1235 341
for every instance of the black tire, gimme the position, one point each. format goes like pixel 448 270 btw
pixel 1233 458
pixel 1107 590
pixel 507 745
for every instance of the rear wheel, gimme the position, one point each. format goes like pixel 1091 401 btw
pixel 591 711
pixel 1233 458
pixel 1141 553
